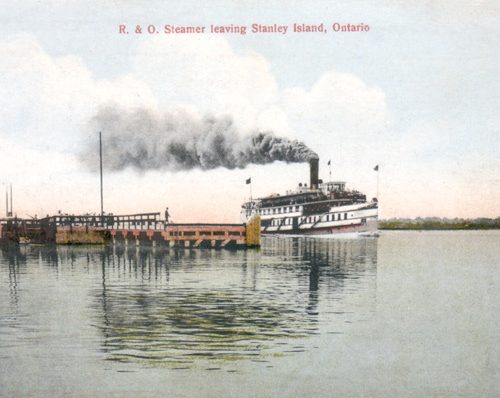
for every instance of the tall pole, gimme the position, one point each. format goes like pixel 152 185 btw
pixel 6 203
pixel 378 201
pixel 11 211
pixel 376 168
pixel 378 172
pixel 100 169
pixel 250 190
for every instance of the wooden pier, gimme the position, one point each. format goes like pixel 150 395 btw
pixel 144 229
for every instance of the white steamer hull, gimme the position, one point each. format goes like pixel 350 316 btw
pixel 351 219
pixel 360 221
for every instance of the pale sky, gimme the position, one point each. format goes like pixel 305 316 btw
pixel 417 94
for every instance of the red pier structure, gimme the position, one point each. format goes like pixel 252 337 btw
pixel 145 229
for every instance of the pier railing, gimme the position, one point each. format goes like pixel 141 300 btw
pixel 126 221
pixel 44 229
pixel 142 228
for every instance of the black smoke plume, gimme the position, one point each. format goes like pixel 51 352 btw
pixel 144 140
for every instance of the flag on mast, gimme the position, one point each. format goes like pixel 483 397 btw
pixel 376 168
pixel 249 181
pixel 329 162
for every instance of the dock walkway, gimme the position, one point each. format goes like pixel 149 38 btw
pixel 145 229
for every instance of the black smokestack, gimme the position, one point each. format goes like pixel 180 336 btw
pixel 314 172
pixel 178 140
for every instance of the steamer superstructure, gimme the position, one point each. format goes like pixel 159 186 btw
pixel 320 208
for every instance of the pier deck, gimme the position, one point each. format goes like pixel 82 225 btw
pixel 145 229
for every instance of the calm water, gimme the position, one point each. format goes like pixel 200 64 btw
pixel 406 315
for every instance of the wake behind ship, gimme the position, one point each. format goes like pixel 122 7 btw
pixel 320 208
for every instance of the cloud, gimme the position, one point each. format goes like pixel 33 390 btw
pixel 44 180
pixel 205 72
pixel 47 102
pixel 338 116
pixel 338 107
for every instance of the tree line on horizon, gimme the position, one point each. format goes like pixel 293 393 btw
pixel 429 223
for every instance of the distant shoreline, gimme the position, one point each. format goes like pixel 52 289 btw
pixel 436 229
pixel 430 224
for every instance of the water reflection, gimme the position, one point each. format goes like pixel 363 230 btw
pixel 14 321
pixel 14 260
pixel 186 308
pixel 176 324
pixel 179 307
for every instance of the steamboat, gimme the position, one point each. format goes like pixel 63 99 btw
pixel 321 208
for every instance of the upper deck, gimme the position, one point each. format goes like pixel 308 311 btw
pixel 330 193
